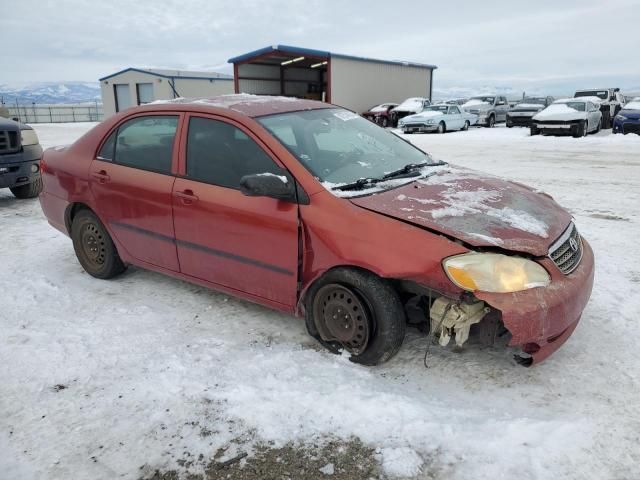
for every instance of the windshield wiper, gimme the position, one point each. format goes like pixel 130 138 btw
pixel 410 168
pixel 358 184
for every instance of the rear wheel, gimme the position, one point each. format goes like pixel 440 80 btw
pixel 356 310
pixel 466 126
pixel 30 190
pixel 93 246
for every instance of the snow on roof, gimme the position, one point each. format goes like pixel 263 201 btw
pixel 169 73
pixel 321 53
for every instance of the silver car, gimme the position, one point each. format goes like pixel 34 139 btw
pixel 490 109
pixel 569 116
pixel 438 118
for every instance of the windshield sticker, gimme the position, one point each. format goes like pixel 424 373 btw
pixel 344 116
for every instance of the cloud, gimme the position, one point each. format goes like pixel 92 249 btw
pixel 474 43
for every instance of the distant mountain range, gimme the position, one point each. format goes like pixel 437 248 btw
pixel 50 92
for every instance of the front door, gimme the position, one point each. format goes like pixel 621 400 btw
pixel 249 244
pixel 131 182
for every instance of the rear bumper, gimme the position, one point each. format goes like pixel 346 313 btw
pixel 540 320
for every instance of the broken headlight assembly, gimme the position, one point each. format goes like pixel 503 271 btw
pixel 495 273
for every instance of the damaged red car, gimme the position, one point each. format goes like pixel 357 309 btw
pixel 313 210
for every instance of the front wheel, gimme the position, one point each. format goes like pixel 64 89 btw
pixel 93 246
pixel 491 122
pixel 30 190
pixel 533 130
pixel 357 311
pixel 384 122
pixel 442 127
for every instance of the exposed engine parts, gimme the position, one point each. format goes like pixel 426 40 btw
pixel 453 318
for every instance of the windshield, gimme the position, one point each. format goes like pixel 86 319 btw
pixel 603 94
pixel 532 100
pixel 437 108
pixel 484 99
pixel 580 106
pixel 338 146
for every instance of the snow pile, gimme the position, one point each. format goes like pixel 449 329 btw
pixel 401 462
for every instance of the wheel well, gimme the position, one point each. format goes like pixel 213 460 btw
pixel 71 212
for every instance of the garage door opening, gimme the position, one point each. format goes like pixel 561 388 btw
pixel 286 71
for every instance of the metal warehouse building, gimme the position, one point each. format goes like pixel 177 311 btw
pixel 353 82
pixel 136 86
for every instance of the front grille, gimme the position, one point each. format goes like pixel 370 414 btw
pixel 413 125
pixel 566 252
pixel 631 128
pixel 9 141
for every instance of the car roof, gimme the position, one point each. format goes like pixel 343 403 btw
pixel 246 104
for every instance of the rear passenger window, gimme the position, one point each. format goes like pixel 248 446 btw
pixel 222 154
pixel 108 147
pixel 146 143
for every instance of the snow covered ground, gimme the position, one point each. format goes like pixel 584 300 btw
pixel 105 379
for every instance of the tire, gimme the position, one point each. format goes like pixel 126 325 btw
pixel 466 126
pixel 581 131
pixel 442 128
pixel 492 121
pixel 533 130
pixel 383 321
pixel 384 122
pixel 30 190
pixel 509 124
pixel 93 246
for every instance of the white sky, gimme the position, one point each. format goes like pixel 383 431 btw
pixel 543 44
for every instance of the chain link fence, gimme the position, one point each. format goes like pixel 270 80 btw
pixel 56 113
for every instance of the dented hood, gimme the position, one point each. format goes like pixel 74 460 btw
pixel 481 210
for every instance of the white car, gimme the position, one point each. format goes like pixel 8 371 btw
pixel 569 116
pixel 408 107
pixel 438 118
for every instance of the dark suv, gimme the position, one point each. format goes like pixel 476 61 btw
pixel 20 154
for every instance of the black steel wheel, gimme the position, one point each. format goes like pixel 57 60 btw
pixel 341 315
pixel 355 310
pixel 93 246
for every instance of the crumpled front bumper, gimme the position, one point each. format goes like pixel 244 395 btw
pixel 540 320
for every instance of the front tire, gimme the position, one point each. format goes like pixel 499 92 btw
pixel 442 128
pixel 384 122
pixel 492 121
pixel 94 247
pixel 356 310
pixel 533 130
pixel 30 190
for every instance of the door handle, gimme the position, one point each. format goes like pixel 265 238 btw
pixel 102 176
pixel 187 197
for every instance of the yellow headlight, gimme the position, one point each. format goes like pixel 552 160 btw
pixel 494 272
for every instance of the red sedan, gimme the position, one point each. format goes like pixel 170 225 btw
pixel 311 209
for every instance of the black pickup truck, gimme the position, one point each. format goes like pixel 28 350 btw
pixel 20 154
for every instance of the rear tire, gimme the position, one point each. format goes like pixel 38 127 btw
pixel 466 126
pixel 30 190
pixel 94 247
pixel 374 320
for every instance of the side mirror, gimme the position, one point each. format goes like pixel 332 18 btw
pixel 280 187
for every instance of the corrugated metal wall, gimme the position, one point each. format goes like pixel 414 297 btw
pixel 267 80
pixel 359 85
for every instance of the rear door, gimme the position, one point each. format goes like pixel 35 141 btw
pixel 131 181
pixel 249 244
pixel 502 107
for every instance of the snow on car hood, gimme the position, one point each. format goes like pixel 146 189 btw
pixel 528 106
pixel 560 111
pixel 634 105
pixel 481 210
pixel 423 115
pixel 410 105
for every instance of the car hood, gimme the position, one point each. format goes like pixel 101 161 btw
pixel 481 210
pixel 527 107
pixel 422 116
pixel 630 113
